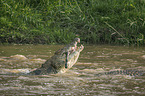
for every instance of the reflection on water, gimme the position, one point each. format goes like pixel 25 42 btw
pixel 80 79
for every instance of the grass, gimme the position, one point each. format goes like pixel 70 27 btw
pixel 60 21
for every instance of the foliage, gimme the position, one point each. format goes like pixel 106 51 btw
pixel 59 21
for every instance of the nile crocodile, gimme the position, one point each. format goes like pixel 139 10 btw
pixel 66 57
pixel 58 62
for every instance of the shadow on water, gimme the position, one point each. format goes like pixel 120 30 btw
pixel 81 79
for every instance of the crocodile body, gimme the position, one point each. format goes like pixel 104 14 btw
pixel 56 64
pixel 62 60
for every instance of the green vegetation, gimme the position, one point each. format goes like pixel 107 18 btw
pixel 59 21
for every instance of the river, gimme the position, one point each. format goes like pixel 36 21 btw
pixel 81 79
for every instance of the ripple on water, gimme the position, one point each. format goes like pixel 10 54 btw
pixel 143 56
pixel 10 71
pixel 86 64
pixel 18 57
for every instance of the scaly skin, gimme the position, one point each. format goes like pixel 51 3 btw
pixel 123 72
pixel 56 64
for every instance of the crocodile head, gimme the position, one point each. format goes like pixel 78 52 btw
pixel 60 61
pixel 56 64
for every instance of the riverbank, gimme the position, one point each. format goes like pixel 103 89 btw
pixel 58 22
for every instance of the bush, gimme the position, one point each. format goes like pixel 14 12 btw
pixel 60 21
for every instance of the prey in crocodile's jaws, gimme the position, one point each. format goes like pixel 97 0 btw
pixel 68 49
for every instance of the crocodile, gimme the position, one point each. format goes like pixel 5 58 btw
pixel 64 58
pixel 56 64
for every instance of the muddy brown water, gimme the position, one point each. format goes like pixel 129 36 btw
pixel 80 79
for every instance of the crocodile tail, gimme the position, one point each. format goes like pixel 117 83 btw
pixel 123 72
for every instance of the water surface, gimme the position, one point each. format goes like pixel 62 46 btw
pixel 80 79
